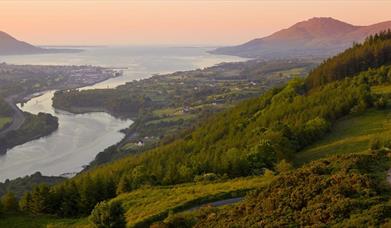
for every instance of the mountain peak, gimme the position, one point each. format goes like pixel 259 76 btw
pixel 315 37
pixel 5 36
pixel 316 27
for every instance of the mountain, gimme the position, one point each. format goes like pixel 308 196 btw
pixel 316 37
pixel 11 46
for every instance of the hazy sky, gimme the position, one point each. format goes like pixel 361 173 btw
pixel 172 22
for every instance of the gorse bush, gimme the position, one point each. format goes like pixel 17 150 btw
pixel 346 191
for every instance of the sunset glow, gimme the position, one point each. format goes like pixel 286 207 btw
pixel 171 22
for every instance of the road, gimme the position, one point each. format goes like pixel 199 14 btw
pixel 18 117
pixel 218 203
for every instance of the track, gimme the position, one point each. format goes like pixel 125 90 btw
pixel 218 203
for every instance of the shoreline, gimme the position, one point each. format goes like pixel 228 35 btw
pixel 19 117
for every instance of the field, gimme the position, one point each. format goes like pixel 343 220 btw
pixel 4 121
pixel 155 203
pixel 351 134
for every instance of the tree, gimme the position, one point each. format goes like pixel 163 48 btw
pixel 262 156
pixel 40 200
pixel 25 202
pixel 1 209
pixel 9 202
pixel 123 185
pixel 107 215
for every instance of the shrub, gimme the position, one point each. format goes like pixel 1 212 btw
pixel 380 103
pixel 283 166
pixel 9 202
pixel 106 215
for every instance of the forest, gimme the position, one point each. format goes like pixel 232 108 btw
pixel 257 137
pixel 374 52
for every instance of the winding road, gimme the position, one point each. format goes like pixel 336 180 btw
pixel 17 118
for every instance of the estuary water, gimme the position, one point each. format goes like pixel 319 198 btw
pixel 81 136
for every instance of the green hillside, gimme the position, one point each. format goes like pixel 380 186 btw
pixel 147 205
pixel 352 134
pixel 297 123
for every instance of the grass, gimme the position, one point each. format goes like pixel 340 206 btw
pixel 148 205
pixel 292 72
pixel 29 221
pixel 183 117
pixel 4 121
pixel 381 89
pixel 167 112
pixel 351 134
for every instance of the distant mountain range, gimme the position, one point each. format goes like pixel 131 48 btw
pixel 316 37
pixel 11 46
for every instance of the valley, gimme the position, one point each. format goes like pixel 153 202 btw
pixel 308 120
pixel 179 136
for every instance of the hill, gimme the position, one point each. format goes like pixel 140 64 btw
pixel 258 137
pixel 316 37
pixel 11 46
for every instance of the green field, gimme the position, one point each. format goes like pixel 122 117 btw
pixel 154 203
pixel 4 121
pixel 351 134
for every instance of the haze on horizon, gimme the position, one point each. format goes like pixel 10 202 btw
pixel 171 22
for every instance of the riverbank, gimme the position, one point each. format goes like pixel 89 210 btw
pixel 35 127
pixel 17 118
pixel 66 77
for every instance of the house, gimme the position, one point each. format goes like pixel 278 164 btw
pixel 140 143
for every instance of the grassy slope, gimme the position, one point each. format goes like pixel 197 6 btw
pixel 349 135
pixel 151 204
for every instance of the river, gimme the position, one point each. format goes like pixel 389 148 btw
pixel 80 137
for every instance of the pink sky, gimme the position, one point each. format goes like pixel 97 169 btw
pixel 171 22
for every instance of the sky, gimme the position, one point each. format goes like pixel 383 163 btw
pixel 165 22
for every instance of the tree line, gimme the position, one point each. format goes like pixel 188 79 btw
pixel 374 52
